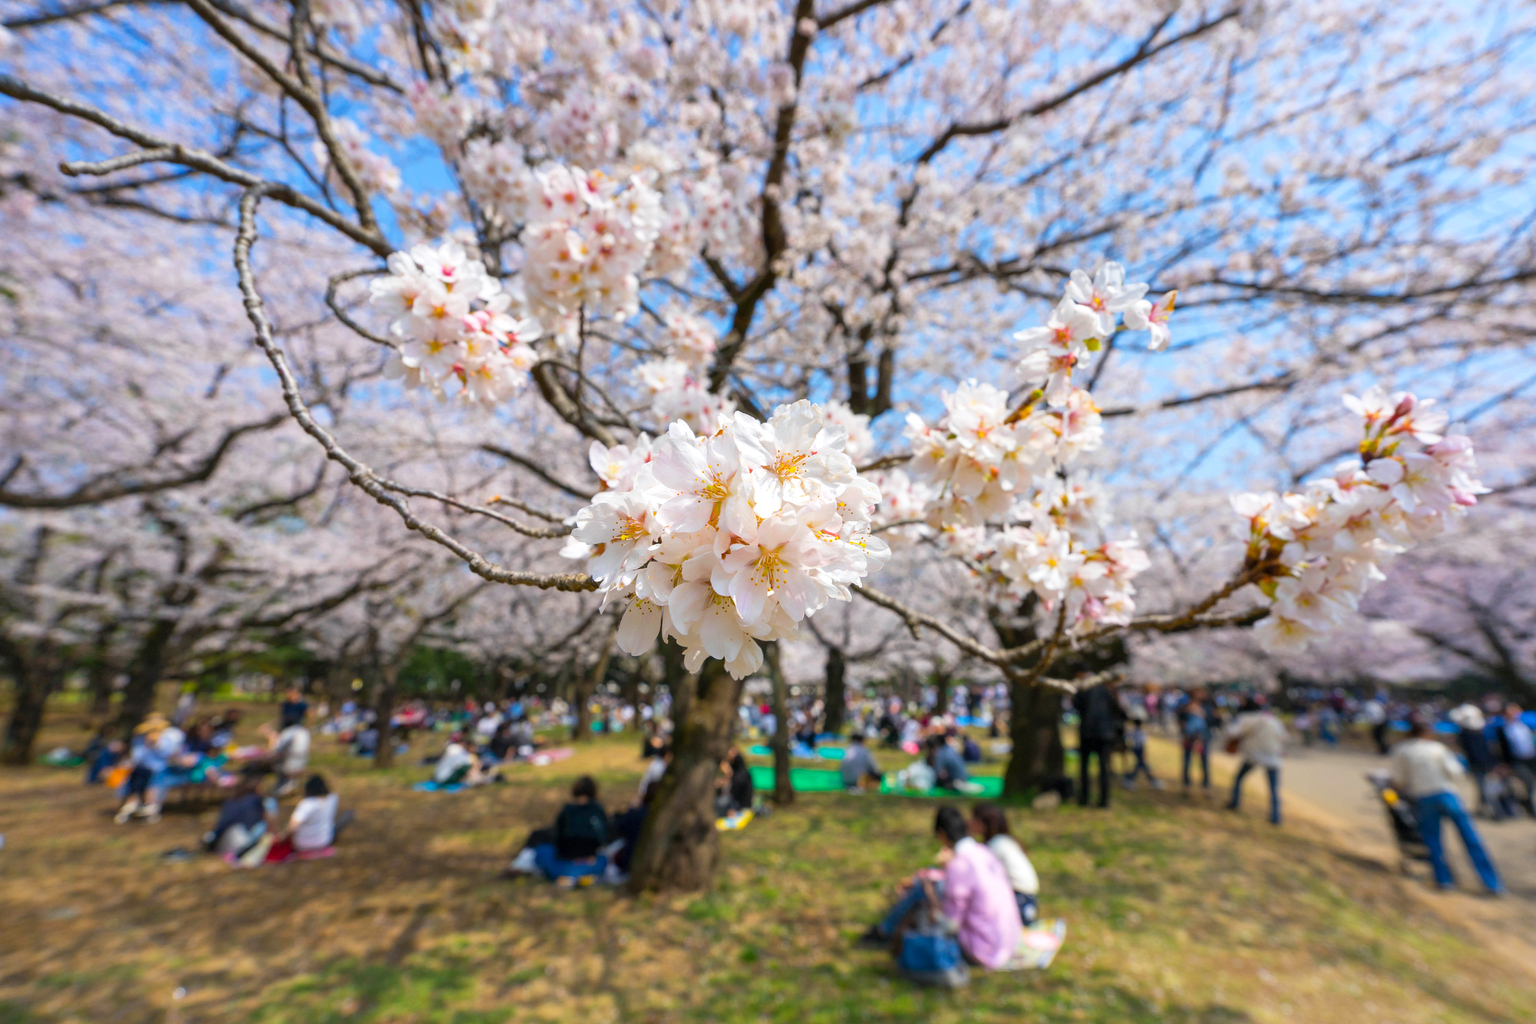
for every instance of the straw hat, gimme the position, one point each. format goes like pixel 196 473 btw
pixel 153 723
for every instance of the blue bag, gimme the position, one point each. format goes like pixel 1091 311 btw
pixel 930 953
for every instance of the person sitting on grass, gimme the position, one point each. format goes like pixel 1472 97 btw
pixel 858 765
pixel 460 766
pixel 991 825
pixel 948 766
pixel 736 790
pixel 973 892
pixel 311 827
pixel 242 818
pixel 580 832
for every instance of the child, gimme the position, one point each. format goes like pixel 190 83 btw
pixel 1136 739
pixel 989 822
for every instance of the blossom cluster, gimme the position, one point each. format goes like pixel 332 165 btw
pixel 982 455
pixel 1083 321
pixel 456 325
pixel 724 539
pixel 678 383
pixel 1313 554
pixel 992 472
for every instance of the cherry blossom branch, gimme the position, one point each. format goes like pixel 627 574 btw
pixel 538 471
pixel 336 281
pixel 548 517
pixel 479 510
pixel 360 474
pixel 119 483
pixel 196 159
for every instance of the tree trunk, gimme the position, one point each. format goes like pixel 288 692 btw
pixel 941 678
pixel 1034 721
pixel 36 678
pixel 837 691
pixel 679 845
pixel 1034 727
pixel 100 676
pixel 144 674
pixel 783 792
pixel 680 684
pixel 584 687
pixel 384 710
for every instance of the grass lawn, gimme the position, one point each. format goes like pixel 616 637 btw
pixel 1177 912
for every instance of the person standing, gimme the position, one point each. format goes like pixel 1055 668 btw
pixel 1426 772
pixel 1136 739
pixel 1374 711
pixel 1260 739
pixel 1474 747
pixel 1196 740
pixel 1518 748
pixel 1098 725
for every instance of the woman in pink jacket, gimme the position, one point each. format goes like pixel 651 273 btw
pixel 977 894
pixel 974 893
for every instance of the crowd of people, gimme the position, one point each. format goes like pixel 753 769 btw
pixel 983 884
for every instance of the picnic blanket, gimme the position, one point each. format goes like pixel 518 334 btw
pixel 734 822
pixel 801 780
pixel 1038 946
pixel 801 751
pixel 820 780
pixel 433 786
pixel 991 788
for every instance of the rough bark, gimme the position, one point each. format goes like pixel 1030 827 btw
pixel 36 677
pixel 584 686
pixel 783 792
pixel 836 692
pixel 144 674
pixel 385 677
pixel 1034 726
pixel 679 845
pixel 1034 722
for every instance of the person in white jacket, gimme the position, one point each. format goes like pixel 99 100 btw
pixel 1260 738
pixel 1427 772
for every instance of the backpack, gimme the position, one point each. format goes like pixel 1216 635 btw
pixel 929 953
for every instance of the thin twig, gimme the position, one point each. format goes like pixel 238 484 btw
pixel 360 474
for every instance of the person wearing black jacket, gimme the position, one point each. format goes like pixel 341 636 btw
pixel 1099 716
pixel 581 829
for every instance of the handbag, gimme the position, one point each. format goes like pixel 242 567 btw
pixel 1233 744
pixel 929 953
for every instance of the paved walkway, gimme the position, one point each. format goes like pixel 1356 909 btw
pixel 1333 783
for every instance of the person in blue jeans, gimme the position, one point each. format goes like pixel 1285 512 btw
pixel 1261 743
pixel 1196 732
pixel 1426 772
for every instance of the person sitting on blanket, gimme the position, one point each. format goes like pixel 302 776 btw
pixel 858 765
pixel 571 850
pixel 311 827
pixel 654 771
pixel 990 824
pixel 735 791
pixel 461 766
pixel 243 818
pixel 948 767
pixel 973 892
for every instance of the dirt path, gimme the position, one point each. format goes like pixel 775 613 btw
pixel 1330 786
